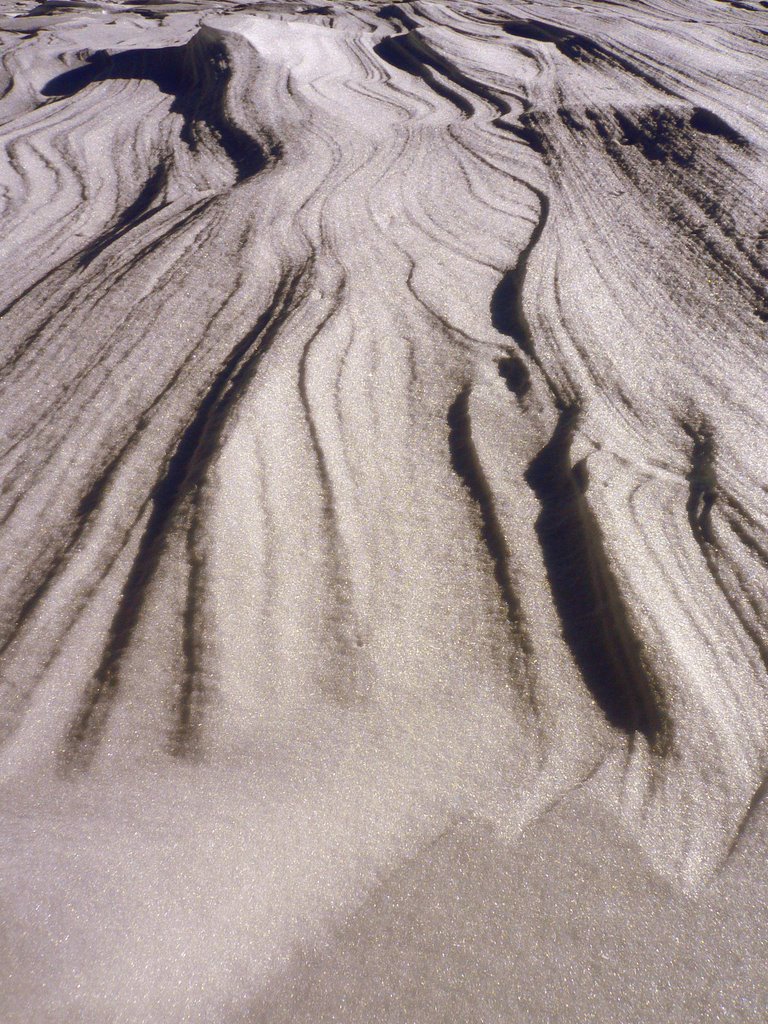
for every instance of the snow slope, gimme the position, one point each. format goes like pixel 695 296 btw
pixel 384 604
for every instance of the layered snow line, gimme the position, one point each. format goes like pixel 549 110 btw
pixel 384 510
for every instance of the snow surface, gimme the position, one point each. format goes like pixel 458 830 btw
pixel 384 592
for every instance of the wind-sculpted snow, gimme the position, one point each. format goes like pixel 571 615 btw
pixel 383 616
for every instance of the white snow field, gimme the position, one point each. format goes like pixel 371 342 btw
pixel 384 504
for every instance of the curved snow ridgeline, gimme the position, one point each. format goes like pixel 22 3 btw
pixel 384 454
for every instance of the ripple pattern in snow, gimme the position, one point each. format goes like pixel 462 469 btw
pixel 384 453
